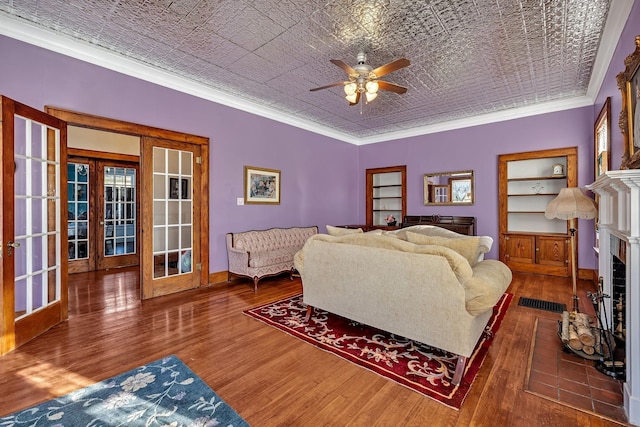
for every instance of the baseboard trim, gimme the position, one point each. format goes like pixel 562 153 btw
pixel 218 277
pixel 583 274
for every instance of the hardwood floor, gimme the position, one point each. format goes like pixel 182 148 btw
pixel 270 378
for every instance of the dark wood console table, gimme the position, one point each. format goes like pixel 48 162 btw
pixel 366 228
pixel 459 224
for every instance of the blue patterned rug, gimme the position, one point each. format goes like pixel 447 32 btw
pixel 162 393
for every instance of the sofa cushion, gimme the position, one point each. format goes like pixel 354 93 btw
pixel 341 231
pixel 271 257
pixel 469 247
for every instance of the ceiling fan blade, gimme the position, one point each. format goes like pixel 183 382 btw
pixel 391 87
pixel 391 67
pixel 347 68
pixel 357 99
pixel 328 86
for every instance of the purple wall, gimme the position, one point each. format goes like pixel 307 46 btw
pixel 478 148
pixel 317 172
pixel 322 179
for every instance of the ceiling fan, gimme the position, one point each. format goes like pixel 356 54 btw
pixel 363 79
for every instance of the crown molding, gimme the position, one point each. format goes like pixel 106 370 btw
pixel 616 20
pixel 498 116
pixel 37 36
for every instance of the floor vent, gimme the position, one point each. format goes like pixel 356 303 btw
pixel 556 307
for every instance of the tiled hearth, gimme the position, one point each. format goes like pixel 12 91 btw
pixel 570 379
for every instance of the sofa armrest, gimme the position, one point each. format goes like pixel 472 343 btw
pixel 490 280
pixel 238 258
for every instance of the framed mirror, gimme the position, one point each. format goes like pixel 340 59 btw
pixel 449 188
pixel 629 85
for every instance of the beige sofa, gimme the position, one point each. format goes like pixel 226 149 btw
pixel 426 292
pixel 261 253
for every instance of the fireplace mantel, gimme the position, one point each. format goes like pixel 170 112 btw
pixel 619 221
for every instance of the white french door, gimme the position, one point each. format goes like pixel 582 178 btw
pixel 34 264
pixel 172 227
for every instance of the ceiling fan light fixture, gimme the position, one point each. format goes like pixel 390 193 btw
pixel 363 79
pixel 350 89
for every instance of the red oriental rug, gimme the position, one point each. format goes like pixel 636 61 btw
pixel 421 368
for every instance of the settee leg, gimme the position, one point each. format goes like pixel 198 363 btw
pixel 457 376
pixel 308 316
pixel 255 284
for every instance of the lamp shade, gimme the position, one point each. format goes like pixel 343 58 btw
pixel 372 86
pixel 571 203
pixel 350 89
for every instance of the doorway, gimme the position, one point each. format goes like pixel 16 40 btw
pixel 103 212
pixel 172 237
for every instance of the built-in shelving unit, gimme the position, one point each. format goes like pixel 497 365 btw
pixel 386 194
pixel 528 182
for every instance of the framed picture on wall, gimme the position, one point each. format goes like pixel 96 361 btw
pixel 261 186
pixel 602 139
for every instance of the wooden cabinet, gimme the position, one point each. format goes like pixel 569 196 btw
pixel 386 194
pixel 531 253
pixel 527 183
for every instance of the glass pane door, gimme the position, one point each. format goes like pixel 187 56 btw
pixel 33 232
pixel 78 208
pixel 171 253
pixel 172 212
pixel 118 212
pixel 37 204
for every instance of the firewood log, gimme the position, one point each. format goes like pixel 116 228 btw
pixel 581 322
pixel 574 340
pixel 588 349
pixel 582 318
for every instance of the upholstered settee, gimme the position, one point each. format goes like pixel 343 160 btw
pixel 261 253
pixel 430 293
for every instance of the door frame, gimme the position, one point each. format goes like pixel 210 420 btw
pixel 78 119
pixel 96 261
pixel 117 261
